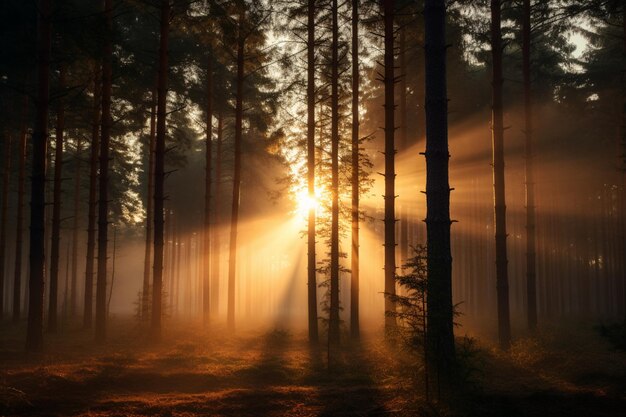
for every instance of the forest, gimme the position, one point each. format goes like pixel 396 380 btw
pixel 313 208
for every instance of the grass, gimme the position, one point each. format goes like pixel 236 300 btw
pixel 571 371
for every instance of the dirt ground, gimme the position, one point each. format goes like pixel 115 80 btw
pixel 275 373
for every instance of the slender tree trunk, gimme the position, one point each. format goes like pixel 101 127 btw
pixel 206 279
pixel 112 269
pixel 34 335
pixel 19 228
pixel 147 259
pixel 502 279
pixel 92 202
pixel 333 330
pixel 3 217
pixel 439 258
pixel 404 218
pixel 55 245
pixel 103 192
pixel 217 230
pixel 234 218
pixel 311 234
pixel 531 268
pixel 390 170
pixel 623 214
pixel 74 283
pixel 159 171
pixel 354 287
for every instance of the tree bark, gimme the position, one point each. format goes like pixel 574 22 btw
pixel 3 216
pixel 34 335
pixel 147 259
pixel 103 191
pixel 234 218
pixel 311 234
pixel 217 252
pixel 92 202
pixel 55 245
pixel 439 258
pixel 354 287
pixel 206 278
pixel 19 228
pixel 159 171
pixel 333 330
pixel 404 207
pixel 502 279
pixel 390 170
pixel 531 268
pixel 74 283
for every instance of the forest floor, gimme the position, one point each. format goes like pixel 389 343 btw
pixel 572 372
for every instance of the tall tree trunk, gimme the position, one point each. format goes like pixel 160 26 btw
pixel 333 330
pixel 234 218
pixel 147 258
pixel 354 287
pixel 103 192
pixel 92 202
pixel 74 284
pixel 497 126
pixel 531 268
pixel 439 258
pixel 19 224
pixel 206 275
pixel 3 217
pixel 55 245
pixel 390 171
pixel 311 264
pixel 159 171
pixel 217 252
pixel 402 130
pixel 34 335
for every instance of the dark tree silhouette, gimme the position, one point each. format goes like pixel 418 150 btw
pixel 19 224
pixel 103 185
pixel 390 170
pixel 147 258
pixel 311 265
pixel 55 245
pixel 439 259
pixel 206 232
pixel 354 285
pixel 92 202
pixel 497 126
pixel 333 324
pixel 34 335
pixel 531 268
pixel 3 216
pixel 159 173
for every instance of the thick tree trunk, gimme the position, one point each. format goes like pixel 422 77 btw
pixel 103 191
pixel 497 126
pixel 147 258
pixel 19 224
pixel 206 273
pixel 311 264
pixel 159 172
pixel 354 287
pixel 55 244
pixel 34 335
pixel 234 218
pixel 92 202
pixel 217 230
pixel 333 329
pixel 531 268
pixel 390 170
pixel 439 258
pixel 74 283
pixel 3 217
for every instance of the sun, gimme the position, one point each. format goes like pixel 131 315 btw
pixel 304 203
